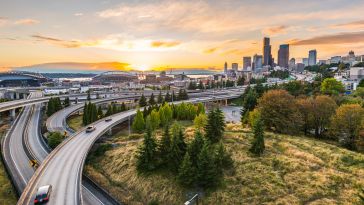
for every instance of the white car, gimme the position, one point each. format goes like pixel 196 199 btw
pixel 90 128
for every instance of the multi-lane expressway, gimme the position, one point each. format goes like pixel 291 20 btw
pixel 63 167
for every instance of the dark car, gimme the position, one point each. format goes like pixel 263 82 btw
pixel 43 194
pixel 90 128
pixel 108 119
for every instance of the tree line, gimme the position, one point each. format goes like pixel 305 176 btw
pixel 92 112
pixel 294 108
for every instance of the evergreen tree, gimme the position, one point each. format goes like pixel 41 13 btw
pixel 258 142
pixel 187 172
pixel 176 154
pixel 147 153
pixel 164 148
pixel 215 125
pixel 151 99
pixel 155 120
pixel 222 158
pixel 88 95
pixel 200 109
pixel 50 107
pixel 240 81
pixel 167 98
pixel 200 85
pixel 165 114
pixel 93 113
pixel 142 101
pixel 194 148
pixel 179 137
pixel 100 114
pixel 180 94
pixel 208 174
pixel 66 102
pixel 114 108
pixel 160 98
pixel 173 96
pixel 138 122
pixel 109 111
pixel 123 107
pixel 84 116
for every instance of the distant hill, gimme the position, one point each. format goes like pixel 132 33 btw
pixel 73 67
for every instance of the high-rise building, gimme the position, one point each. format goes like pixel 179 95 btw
pixel 257 62
pixel 312 57
pixel 247 62
pixel 267 52
pixel 292 63
pixel 305 61
pixel 225 67
pixel 283 55
pixel 235 66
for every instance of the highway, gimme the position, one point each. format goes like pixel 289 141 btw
pixel 63 167
pixel 57 122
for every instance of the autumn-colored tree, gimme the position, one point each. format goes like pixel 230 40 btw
pixel 323 107
pixel 347 123
pixel 305 108
pixel 200 121
pixel 279 111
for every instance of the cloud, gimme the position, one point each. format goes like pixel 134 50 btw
pixel 350 25
pixel 64 43
pixel 3 21
pixel 210 50
pixel 275 30
pixel 78 14
pixel 340 38
pixel 26 22
pixel 167 44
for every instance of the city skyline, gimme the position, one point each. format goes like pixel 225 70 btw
pixel 169 34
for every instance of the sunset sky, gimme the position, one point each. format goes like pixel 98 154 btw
pixel 178 34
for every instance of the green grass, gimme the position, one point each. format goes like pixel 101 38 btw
pixel 75 122
pixel 7 192
pixel 292 170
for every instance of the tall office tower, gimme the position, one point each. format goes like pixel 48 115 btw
pixel 225 67
pixel 292 63
pixel 247 62
pixel 257 61
pixel 305 61
pixel 312 57
pixel 267 52
pixel 235 66
pixel 283 55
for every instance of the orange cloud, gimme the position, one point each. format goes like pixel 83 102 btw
pixel 350 25
pixel 275 30
pixel 340 38
pixel 26 22
pixel 210 50
pixel 63 43
pixel 167 44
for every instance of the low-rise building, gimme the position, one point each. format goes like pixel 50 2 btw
pixel 357 73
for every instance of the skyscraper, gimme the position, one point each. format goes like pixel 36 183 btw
pixel 225 67
pixel 292 63
pixel 267 54
pixel 283 55
pixel 305 61
pixel 235 66
pixel 247 62
pixel 257 62
pixel 312 57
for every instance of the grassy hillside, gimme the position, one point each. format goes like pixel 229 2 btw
pixel 293 170
pixel 7 193
pixel 75 122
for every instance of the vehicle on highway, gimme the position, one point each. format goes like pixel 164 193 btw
pixel 108 119
pixel 43 194
pixel 90 128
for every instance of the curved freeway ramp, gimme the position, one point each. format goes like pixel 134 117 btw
pixel 63 167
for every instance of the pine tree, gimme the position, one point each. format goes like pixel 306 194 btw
pixel 164 148
pixel 176 154
pixel 187 172
pixel 200 85
pixel 109 111
pixel 179 137
pixel 208 173
pixel 167 98
pixel 194 148
pixel 114 108
pixel 66 102
pixel 93 113
pixel 50 107
pixel 100 114
pixel 215 126
pixel 123 107
pixel 147 153
pixel 258 142
pixel 138 122
pixel 142 101
pixel 151 99
pixel 155 120
pixel 84 116
pixel 160 98
pixel 173 96
pixel 88 95
pixel 222 158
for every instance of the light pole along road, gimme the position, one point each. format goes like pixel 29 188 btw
pixel 63 167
